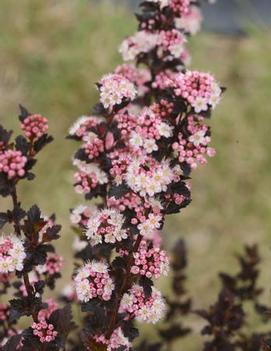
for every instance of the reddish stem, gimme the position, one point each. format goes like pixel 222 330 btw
pixel 124 287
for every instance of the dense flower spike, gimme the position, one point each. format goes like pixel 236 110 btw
pixel 93 280
pixel 135 160
pixel 12 254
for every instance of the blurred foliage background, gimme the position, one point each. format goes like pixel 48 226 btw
pixel 52 53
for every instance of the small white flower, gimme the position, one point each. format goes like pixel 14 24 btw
pixel 198 138
pixel 150 145
pixel 165 130
pixel 200 104
pixel 136 140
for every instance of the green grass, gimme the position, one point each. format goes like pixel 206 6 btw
pixel 51 55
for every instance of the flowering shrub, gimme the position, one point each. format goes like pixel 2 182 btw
pixel 137 151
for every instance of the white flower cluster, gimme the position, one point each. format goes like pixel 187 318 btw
pixel 12 254
pixel 149 182
pixel 106 226
pixel 114 88
pixel 152 223
pixel 190 22
pixel 141 42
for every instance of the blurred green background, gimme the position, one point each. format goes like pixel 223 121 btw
pixel 52 53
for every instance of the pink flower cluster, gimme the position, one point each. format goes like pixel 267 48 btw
pixel 88 177
pixel 116 341
pixel 171 44
pixel 93 280
pixel 46 313
pixel 150 262
pixel 35 126
pixel 149 128
pixel 53 265
pixel 148 177
pixel 180 7
pixel 12 254
pixel 164 80
pixel 141 42
pixel 138 76
pixel 81 214
pixel 44 331
pixel 193 149
pixel 199 89
pixel 147 212
pixel 144 309
pixel 12 163
pixel 83 126
pixel 93 147
pixel 115 89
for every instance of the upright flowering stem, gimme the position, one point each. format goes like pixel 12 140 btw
pixel 137 152
pixel 28 262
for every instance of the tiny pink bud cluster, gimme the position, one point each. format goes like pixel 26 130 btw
pixel 44 331
pixel 93 147
pixel 172 42
pixel 35 126
pixel 180 7
pixel 199 89
pixel 88 177
pixel 150 262
pixel 12 163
